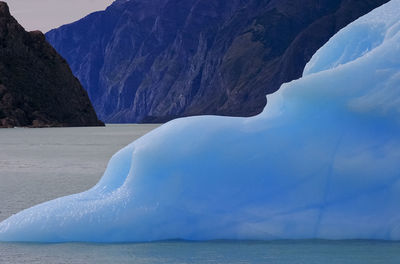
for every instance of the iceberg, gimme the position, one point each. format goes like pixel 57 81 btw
pixel 321 161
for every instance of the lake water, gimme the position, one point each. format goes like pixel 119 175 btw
pixel 279 252
pixel 38 165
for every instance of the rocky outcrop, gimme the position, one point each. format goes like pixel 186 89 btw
pixel 37 87
pixel 151 61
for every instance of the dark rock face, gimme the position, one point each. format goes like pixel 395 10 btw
pixel 150 61
pixel 37 87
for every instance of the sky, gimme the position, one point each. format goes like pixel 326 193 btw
pixel 44 15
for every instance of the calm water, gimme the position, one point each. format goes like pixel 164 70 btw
pixel 37 165
pixel 284 252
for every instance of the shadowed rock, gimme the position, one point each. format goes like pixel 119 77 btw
pixel 37 87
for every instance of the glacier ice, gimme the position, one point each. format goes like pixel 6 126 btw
pixel 321 161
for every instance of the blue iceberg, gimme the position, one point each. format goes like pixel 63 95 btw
pixel 321 161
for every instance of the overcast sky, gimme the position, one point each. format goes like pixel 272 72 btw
pixel 48 14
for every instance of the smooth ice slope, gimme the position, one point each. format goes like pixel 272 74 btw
pixel 322 161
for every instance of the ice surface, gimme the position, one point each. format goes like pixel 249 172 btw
pixel 321 161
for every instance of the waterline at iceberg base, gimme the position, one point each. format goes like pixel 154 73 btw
pixel 321 161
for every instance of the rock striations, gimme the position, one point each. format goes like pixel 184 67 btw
pixel 151 61
pixel 37 87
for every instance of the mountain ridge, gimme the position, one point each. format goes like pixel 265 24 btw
pixel 152 61
pixel 37 87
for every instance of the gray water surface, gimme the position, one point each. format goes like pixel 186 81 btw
pixel 37 165
pixel 277 252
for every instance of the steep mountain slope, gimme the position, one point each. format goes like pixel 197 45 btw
pixel 37 88
pixel 150 61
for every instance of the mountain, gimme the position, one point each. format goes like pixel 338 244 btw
pixel 37 87
pixel 151 61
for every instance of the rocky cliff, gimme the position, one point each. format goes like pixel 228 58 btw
pixel 37 87
pixel 150 61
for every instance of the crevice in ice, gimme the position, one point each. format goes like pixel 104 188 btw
pixel 327 186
